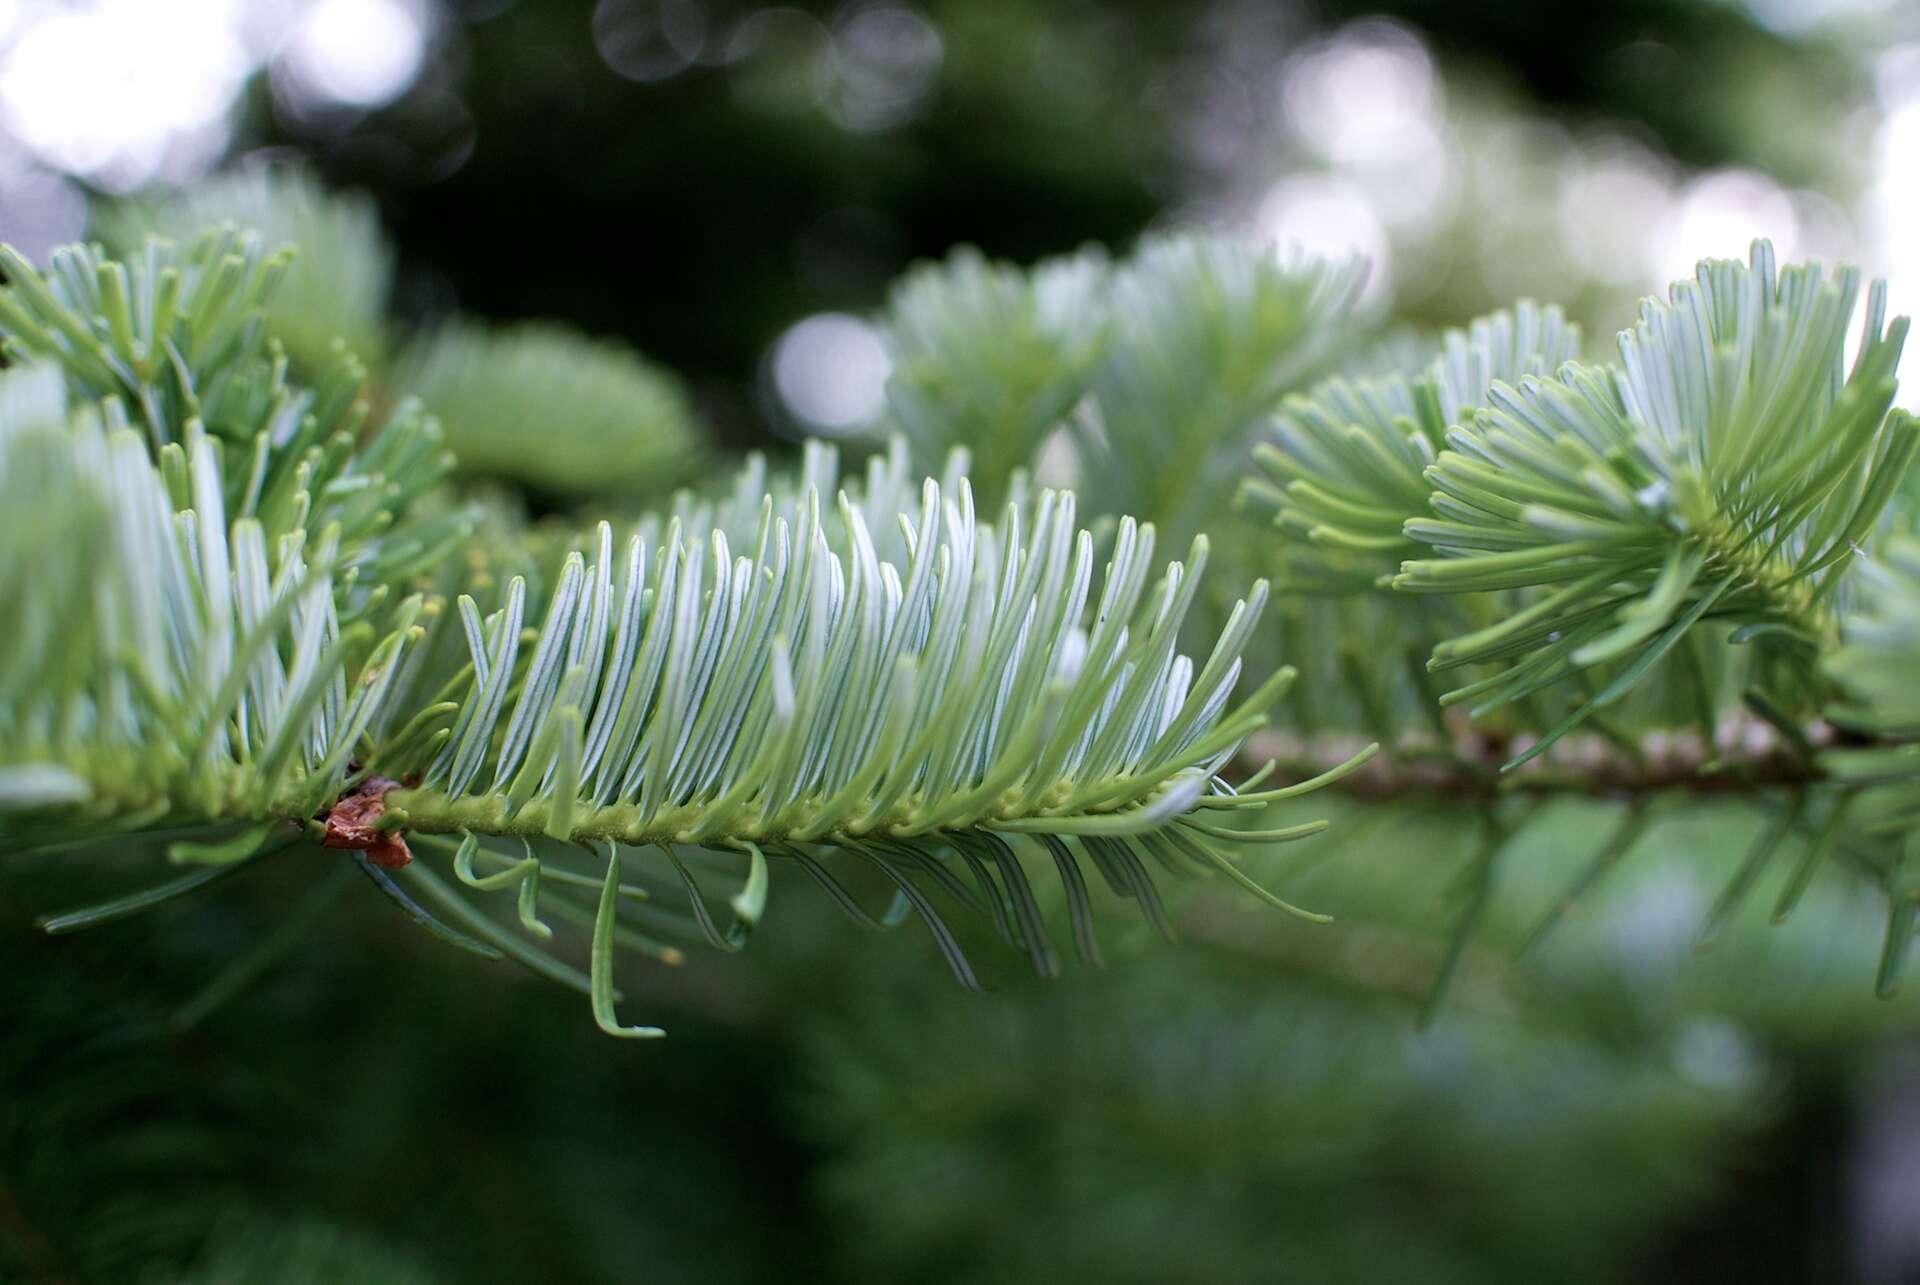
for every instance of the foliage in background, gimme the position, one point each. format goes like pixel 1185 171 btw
pixel 731 168
pixel 562 414
pixel 1319 1137
pixel 1653 1038
pixel 1160 369
pixel 991 358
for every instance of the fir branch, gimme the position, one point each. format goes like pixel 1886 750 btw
pixel 176 344
pixel 165 334
pixel 1349 458
pixel 180 669
pixel 167 664
pixel 921 714
pixel 808 692
pixel 209 546
pixel 1727 470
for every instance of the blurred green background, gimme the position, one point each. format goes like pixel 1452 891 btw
pixel 731 189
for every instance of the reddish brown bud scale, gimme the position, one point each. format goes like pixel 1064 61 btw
pixel 353 823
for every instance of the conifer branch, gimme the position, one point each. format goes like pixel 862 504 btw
pixel 932 695
pixel 1727 470
pixel 234 623
pixel 166 663
pixel 1349 458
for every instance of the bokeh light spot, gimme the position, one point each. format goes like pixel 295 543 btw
pixel 1323 214
pixel 355 53
pixel 831 371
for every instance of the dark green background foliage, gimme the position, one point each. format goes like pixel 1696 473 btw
pixel 743 205
pixel 1247 1105
pixel 1620 1101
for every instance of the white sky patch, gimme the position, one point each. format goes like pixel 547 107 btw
pixel 1368 100
pixel 126 93
pixel 1893 202
pixel 123 91
pixel 1894 212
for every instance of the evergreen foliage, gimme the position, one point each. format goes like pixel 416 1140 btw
pixel 248 665
pixel 1655 552
pixel 1158 366
pixel 563 413
pixel 168 663
pixel 1727 469
pixel 1349 458
pixel 533 402
pixel 256 632
pixel 992 358
pixel 336 289
pixel 254 616
pixel 1209 334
